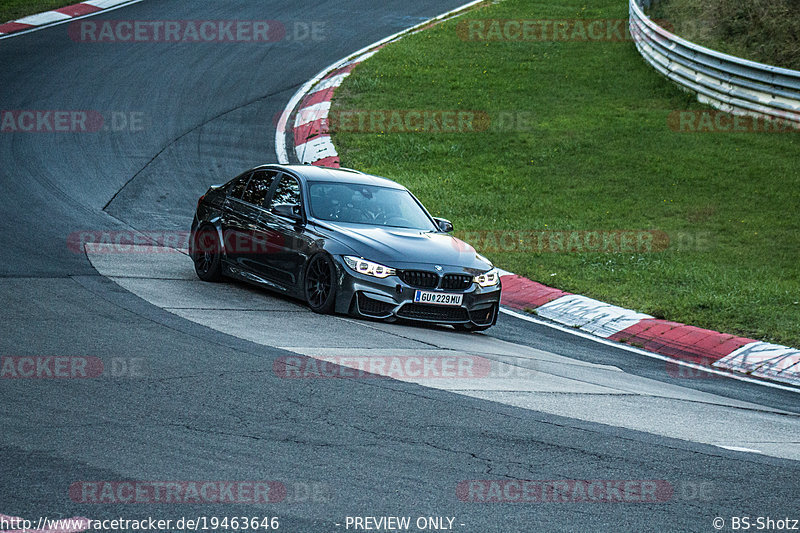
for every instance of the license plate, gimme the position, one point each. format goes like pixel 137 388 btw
pixel 438 298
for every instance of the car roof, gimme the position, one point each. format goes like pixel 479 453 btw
pixel 341 175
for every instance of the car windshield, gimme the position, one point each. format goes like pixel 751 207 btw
pixel 367 204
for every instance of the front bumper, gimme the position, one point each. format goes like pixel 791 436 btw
pixel 392 298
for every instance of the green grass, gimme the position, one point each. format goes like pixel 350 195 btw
pixel 599 155
pixel 15 9
pixel 767 31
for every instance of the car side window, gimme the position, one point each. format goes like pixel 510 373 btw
pixel 288 192
pixel 238 185
pixel 257 189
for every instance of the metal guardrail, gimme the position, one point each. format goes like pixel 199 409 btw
pixel 725 82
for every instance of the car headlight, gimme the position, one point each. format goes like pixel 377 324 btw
pixel 488 279
pixel 362 266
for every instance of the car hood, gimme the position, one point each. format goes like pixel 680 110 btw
pixel 404 248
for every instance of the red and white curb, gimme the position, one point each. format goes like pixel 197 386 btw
pixel 673 339
pixel 312 140
pixel 689 345
pixel 61 14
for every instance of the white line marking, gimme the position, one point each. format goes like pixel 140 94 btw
pixel 626 347
pixel 333 81
pixel 739 449
pixel 363 57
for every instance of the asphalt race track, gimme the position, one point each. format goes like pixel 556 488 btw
pixel 192 389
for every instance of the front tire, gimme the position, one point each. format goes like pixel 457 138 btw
pixel 207 254
pixel 320 284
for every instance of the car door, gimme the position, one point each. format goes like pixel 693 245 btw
pixel 284 222
pixel 228 219
pixel 240 221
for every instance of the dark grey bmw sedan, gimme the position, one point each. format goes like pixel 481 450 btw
pixel 343 242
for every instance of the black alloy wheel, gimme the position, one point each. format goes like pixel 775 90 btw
pixel 320 286
pixel 207 254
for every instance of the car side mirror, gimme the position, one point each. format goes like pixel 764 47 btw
pixel 444 224
pixel 287 210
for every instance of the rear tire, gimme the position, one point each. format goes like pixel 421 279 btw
pixel 320 284
pixel 207 254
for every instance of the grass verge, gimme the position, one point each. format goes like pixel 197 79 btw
pixel 595 152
